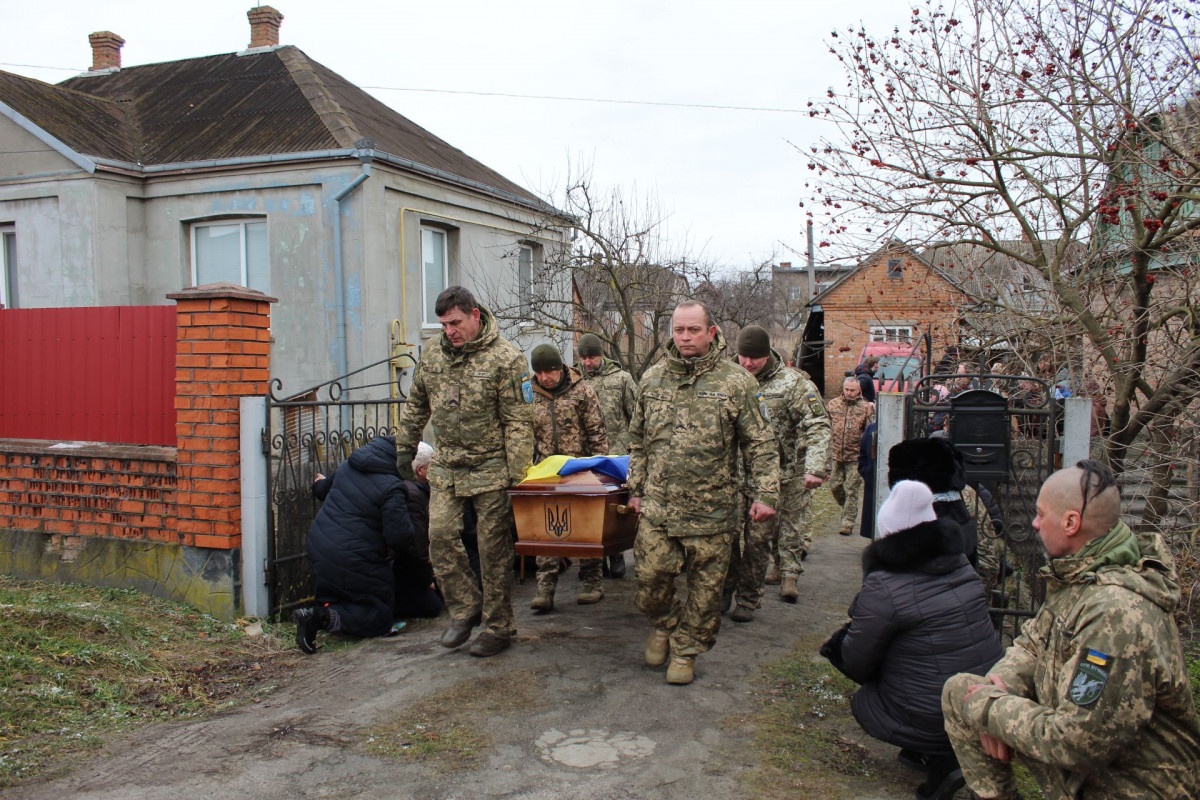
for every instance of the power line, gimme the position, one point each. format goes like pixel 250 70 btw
pixel 39 66
pixel 713 106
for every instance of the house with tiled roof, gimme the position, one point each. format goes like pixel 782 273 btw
pixel 262 168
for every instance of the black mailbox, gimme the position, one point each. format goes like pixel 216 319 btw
pixel 979 429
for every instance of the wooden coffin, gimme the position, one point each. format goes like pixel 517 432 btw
pixel 578 516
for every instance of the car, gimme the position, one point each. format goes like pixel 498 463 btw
pixel 899 365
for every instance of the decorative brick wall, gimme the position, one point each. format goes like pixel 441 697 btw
pixel 165 520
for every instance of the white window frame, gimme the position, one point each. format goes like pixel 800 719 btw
pixel 429 299
pixel 241 225
pixel 895 268
pixel 889 332
pixel 526 256
pixel 8 271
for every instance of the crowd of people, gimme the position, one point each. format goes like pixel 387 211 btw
pixel 726 446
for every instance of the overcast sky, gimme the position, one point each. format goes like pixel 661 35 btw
pixel 729 178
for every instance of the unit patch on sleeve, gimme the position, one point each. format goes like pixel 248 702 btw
pixel 1091 676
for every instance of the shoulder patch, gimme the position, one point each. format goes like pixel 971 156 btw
pixel 762 407
pixel 1091 676
pixel 814 404
pixel 526 388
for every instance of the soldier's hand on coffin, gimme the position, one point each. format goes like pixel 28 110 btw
pixel 634 505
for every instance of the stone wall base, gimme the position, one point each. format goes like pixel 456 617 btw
pixel 205 578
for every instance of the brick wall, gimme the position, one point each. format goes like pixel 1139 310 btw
pixel 161 519
pixel 919 297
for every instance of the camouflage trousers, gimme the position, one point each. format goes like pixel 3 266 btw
pixel 846 485
pixel 793 533
pixel 547 574
pixel 660 560
pixel 493 511
pixel 748 556
pixel 985 775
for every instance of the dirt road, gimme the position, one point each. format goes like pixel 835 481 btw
pixel 569 712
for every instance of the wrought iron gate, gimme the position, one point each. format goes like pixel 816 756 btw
pixel 309 433
pixel 1024 411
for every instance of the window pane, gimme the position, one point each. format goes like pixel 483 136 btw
pixel 433 269
pixel 525 278
pixel 8 269
pixel 258 265
pixel 218 254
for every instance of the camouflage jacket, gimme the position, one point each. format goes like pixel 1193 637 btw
pixel 848 421
pixel 617 393
pixel 1098 691
pixel 567 420
pixel 479 400
pixel 694 420
pixel 796 414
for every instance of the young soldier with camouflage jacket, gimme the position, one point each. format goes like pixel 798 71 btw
pixel 566 422
pixel 473 385
pixel 1093 696
pixel 697 419
pixel 801 428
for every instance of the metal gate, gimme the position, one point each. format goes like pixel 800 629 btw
pixel 1006 427
pixel 309 433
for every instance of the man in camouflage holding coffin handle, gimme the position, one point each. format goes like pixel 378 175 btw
pixel 1093 696
pixel 801 427
pixel 473 385
pixel 566 422
pixel 697 420
pixel 617 393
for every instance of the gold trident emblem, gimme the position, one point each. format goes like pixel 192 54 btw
pixel 558 520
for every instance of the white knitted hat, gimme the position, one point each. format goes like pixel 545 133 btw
pixel 909 504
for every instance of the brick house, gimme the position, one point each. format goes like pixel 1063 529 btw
pixel 892 295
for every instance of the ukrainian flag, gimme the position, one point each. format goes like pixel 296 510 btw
pixel 1097 658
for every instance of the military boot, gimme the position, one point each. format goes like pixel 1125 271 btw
pixel 657 647
pixel 773 576
pixel 590 592
pixel 742 614
pixel 680 671
pixel 544 600
pixel 787 589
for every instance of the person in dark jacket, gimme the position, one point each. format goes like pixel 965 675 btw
pixel 937 464
pixel 865 373
pixel 920 615
pixel 866 468
pixel 361 527
pixel 415 595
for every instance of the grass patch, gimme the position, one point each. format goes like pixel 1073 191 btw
pixel 80 663
pixel 799 729
pixel 445 729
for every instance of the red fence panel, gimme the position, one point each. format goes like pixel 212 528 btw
pixel 88 374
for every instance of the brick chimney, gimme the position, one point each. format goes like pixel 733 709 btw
pixel 106 50
pixel 264 26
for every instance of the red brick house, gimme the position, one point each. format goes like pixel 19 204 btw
pixel 892 295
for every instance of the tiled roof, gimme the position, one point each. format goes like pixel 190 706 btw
pixel 228 106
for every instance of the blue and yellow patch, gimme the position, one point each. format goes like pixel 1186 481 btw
pixel 1097 658
pixel 526 388
pixel 1091 676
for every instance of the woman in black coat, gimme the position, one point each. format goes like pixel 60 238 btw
pixel 920 617
pixel 362 526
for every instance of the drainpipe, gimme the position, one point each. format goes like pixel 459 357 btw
pixel 365 153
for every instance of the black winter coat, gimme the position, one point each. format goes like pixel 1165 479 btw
pixel 920 617
pixel 362 523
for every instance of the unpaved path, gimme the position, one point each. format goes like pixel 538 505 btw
pixel 572 712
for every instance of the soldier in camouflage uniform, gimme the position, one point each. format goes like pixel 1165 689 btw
pixel 474 387
pixel 848 416
pixel 617 393
pixel 1093 696
pixel 697 418
pixel 566 422
pixel 801 428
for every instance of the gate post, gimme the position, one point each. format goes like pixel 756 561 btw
pixel 889 413
pixel 1077 430
pixel 255 597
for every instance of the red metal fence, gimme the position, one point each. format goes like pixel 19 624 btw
pixel 88 374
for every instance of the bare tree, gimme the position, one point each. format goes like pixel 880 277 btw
pixel 620 278
pixel 1061 136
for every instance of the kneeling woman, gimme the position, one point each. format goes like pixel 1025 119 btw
pixel 920 617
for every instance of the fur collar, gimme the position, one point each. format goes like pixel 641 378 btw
pixel 915 548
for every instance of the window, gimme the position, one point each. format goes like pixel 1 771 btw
pixel 895 268
pixel 8 266
pixel 525 279
pixel 891 333
pixel 231 252
pixel 434 276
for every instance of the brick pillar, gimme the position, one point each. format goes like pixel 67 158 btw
pixel 264 26
pixel 223 353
